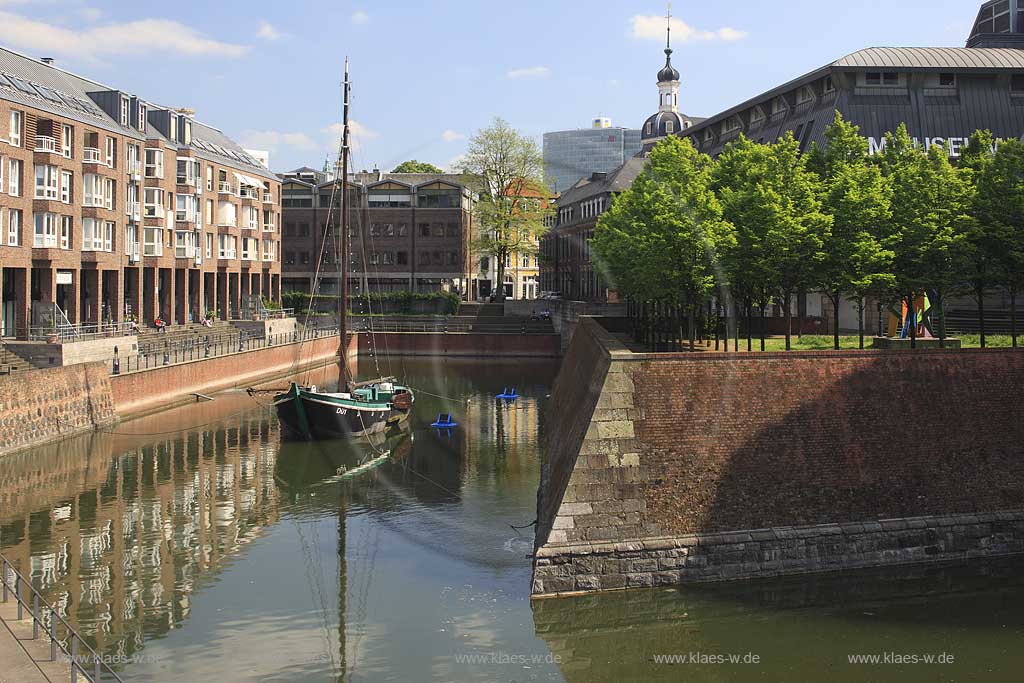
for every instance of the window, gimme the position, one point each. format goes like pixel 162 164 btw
pixel 46 230
pixel 424 258
pixel 46 182
pixel 111 152
pixel 125 111
pixel 756 116
pixel 131 239
pixel 209 245
pixel 402 230
pixel 209 178
pixel 209 212
pixel 647 129
pixel 670 127
pixel 304 257
pixel 66 182
pixel 14 178
pixel 17 127
pixel 778 106
pixel 154 163
pixel 142 117
pixel 14 228
pixel 109 186
pixel 402 258
pixel 226 246
pixel 269 250
pixel 437 229
pixel 153 200
pixel 152 244
pixel 883 78
pixel 289 258
pixel 66 223
pixel 389 258
pixel 3 167
pixel 67 141
pixel 947 80
pixel 804 95
pixel 828 86
pixel 424 229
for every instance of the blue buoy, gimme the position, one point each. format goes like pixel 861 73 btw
pixel 508 395
pixel 444 421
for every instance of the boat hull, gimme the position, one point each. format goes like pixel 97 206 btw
pixel 307 416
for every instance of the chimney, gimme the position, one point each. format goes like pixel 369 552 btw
pixel 185 111
pixel 47 60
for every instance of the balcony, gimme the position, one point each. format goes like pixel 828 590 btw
pixel 269 227
pixel 133 253
pixel 155 211
pixel 46 144
pixel 91 155
pixel 135 170
pixel 94 202
pixel 184 217
pixel 224 187
pixel 188 182
pixel 226 223
pixel 134 211
pixel 247 193
pixel 268 198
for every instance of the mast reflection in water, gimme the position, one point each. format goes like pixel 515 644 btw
pixel 198 543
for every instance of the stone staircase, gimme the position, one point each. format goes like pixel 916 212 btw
pixel 151 339
pixel 12 362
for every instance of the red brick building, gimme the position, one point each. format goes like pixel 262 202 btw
pixel 113 207
pixel 408 232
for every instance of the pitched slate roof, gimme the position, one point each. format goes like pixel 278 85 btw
pixel 41 86
pixel 618 180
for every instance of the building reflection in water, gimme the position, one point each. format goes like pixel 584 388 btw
pixel 116 529
pixel 122 529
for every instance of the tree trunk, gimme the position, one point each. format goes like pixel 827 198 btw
pixel 763 325
pixel 980 293
pixel 912 321
pixel 750 322
pixel 736 339
pixel 787 313
pixel 1013 314
pixel 860 321
pixel 835 320
pixel 942 320
pixel 801 304
pixel 692 315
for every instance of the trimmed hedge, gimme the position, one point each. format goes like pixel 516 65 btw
pixel 379 302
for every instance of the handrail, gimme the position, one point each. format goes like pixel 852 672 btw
pixel 50 626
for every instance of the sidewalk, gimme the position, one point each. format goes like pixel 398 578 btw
pixel 22 659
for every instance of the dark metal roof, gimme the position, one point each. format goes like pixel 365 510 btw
pixel 952 58
pixel 618 180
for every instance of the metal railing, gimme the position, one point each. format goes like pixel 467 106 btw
pixel 46 144
pixel 199 347
pixel 91 155
pixel 64 332
pixel 46 616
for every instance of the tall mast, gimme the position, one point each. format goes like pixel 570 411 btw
pixel 343 261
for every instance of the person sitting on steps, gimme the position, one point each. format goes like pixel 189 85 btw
pixel 160 324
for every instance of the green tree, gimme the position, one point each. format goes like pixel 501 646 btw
pixel 859 199
pixel 508 169
pixel 930 217
pixel 735 178
pixel 413 166
pixel 661 238
pixel 995 237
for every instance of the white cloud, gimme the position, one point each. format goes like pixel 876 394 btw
pixel 268 32
pixel 360 17
pixel 358 133
pixel 133 37
pixel 456 164
pixel 90 13
pixel 529 72
pixel 651 27
pixel 451 136
pixel 272 140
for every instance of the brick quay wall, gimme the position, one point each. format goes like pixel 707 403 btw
pixel 40 406
pixel 671 468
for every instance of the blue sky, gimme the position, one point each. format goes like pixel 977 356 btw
pixel 426 75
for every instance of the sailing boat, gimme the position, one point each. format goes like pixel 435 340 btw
pixel 367 407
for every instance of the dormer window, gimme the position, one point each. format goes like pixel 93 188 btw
pixel 708 135
pixel 947 80
pixel 142 118
pixel 828 86
pixel 125 112
pixel 173 128
pixel 779 106
pixel 757 115
pixel 731 124
pixel 647 128
pixel 804 95
pixel 670 127
pixel 188 132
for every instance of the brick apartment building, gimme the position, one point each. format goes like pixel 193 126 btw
pixel 408 231
pixel 111 206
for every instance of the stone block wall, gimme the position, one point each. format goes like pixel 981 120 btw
pixel 38 406
pixel 679 449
